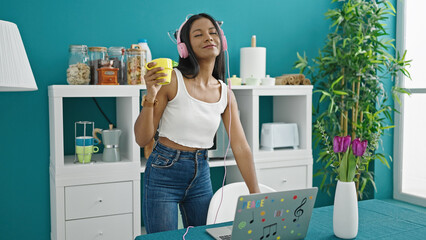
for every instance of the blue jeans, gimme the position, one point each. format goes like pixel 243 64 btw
pixel 175 177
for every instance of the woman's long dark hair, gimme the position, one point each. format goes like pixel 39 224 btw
pixel 189 66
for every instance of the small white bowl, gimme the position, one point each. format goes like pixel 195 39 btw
pixel 268 81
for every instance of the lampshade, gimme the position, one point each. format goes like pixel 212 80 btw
pixel 15 69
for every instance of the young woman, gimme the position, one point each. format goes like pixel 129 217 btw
pixel 187 113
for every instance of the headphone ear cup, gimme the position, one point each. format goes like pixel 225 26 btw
pixel 182 50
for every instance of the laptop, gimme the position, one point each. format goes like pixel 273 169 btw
pixel 274 215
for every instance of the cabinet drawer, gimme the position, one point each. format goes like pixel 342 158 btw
pixel 105 228
pixel 283 178
pixel 98 200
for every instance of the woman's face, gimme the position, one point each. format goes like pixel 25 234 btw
pixel 204 39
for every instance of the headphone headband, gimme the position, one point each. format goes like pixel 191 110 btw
pixel 182 48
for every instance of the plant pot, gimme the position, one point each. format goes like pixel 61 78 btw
pixel 345 212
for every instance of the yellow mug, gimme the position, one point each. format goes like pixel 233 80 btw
pixel 165 63
pixel 84 153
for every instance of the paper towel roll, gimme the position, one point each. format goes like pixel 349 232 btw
pixel 252 62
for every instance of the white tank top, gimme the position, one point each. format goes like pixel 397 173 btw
pixel 189 121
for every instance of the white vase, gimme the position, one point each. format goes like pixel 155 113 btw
pixel 345 212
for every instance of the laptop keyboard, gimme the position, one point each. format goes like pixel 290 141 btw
pixel 225 237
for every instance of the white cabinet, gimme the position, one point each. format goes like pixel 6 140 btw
pixel 281 169
pixel 98 199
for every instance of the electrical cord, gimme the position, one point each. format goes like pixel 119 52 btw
pixel 187 231
pixel 100 109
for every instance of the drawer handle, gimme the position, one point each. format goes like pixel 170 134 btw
pixel 284 180
pixel 101 233
pixel 100 200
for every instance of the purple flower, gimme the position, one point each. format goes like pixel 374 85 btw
pixel 340 144
pixel 346 142
pixel 359 147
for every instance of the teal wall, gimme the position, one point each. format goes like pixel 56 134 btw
pixel 383 175
pixel 48 27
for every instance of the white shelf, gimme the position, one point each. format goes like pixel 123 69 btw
pixel 65 173
pixel 291 104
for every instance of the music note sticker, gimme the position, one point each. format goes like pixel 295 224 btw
pixel 268 228
pixel 252 218
pixel 299 211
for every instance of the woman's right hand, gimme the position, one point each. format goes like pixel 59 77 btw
pixel 151 80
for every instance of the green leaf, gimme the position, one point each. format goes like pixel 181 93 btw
pixel 387 127
pixel 390 6
pixel 343 169
pixel 323 181
pixel 319 173
pixel 329 163
pixel 337 92
pixel 351 167
pixel 383 160
pixel 337 81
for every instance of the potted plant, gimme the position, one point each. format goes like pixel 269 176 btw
pixel 349 74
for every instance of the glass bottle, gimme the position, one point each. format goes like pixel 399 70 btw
pixel 96 55
pixel 78 72
pixel 135 60
pixel 116 55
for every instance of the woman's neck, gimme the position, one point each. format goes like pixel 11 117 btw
pixel 206 72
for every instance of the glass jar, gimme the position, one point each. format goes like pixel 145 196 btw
pixel 96 55
pixel 78 72
pixel 116 55
pixel 135 60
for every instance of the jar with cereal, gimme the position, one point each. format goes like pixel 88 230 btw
pixel 135 65
pixel 78 72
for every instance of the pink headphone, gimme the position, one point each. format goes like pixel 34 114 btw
pixel 183 50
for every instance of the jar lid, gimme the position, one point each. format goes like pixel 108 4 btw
pixel 142 40
pixel 267 78
pixel 97 49
pixel 135 48
pixel 82 48
pixel 251 78
pixel 116 50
